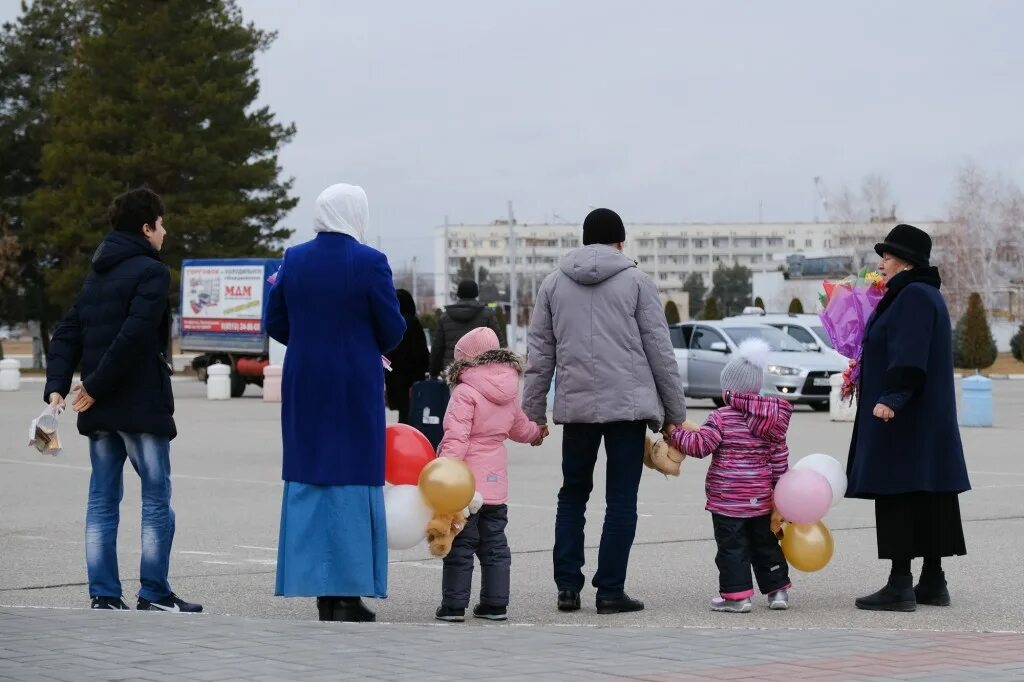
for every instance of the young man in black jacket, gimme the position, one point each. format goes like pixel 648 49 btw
pixel 118 330
pixel 458 320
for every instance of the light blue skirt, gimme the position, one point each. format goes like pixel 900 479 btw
pixel 333 542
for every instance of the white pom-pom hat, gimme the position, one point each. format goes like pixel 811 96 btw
pixel 745 372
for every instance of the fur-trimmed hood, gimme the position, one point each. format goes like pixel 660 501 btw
pixel 495 374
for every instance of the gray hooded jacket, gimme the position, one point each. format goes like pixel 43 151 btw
pixel 599 327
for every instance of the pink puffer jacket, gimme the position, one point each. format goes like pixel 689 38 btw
pixel 483 413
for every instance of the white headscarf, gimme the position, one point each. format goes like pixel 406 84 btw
pixel 343 209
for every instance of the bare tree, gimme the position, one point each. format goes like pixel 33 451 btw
pixel 983 250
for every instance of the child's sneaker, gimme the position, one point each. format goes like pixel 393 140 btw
pixel 450 615
pixel 731 605
pixel 778 600
pixel 490 612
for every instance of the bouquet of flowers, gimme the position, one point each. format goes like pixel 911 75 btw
pixel 846 305
pixel 272 280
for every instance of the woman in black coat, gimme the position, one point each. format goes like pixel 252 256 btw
pixel 409 362
pixel 906 453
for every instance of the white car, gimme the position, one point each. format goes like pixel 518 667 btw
pixel 794 373
pixel 806 329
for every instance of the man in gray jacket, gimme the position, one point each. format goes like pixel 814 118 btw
pixel 598 325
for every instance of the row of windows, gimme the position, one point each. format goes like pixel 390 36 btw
pixel 697 243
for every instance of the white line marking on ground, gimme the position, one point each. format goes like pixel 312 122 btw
pixel 203 553
pixel 180 477
pixel 262 562
pixel 224 563
pixel 419 564
pixel 268 549
pixel 997 473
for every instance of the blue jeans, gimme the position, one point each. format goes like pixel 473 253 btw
pixel 150 457
pixel 624 445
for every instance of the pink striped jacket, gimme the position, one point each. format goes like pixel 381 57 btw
pixel 747 441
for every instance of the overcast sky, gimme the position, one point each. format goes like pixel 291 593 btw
pixel 664 111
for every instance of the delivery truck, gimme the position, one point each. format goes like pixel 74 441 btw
pixel 222 303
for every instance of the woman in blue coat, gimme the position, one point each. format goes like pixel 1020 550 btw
pixel 334 305
pixel 906 453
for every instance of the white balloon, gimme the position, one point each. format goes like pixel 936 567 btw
pixel 407 516
pixel 830 468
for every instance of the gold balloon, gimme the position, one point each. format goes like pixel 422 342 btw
pixel 808 546
pixel 447 485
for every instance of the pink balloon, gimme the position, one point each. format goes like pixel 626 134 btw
pixel 803 496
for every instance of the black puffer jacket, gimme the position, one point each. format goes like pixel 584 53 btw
pixel 118 330
pixel 459 319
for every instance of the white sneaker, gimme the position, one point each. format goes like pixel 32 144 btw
pixel 731 605
pixel 778 600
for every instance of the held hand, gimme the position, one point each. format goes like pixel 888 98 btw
pixel 544 433
pixel 883 412
pixel 776 522
pixel 853 363
pixel 57 400
pixel 83 401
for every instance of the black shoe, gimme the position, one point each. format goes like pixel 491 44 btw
pixel 623 604
pixel 352 610
pixel 450 615
pixel 932 590
pixel 169 603
pixel 325 608
pixel 488 612
pixel 568 600
pixel 109 603
pixel 897 595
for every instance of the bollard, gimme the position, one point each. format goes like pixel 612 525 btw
pixel 218 382
pixel 976 409
pixel 839 410
pixel 272 384
pixel 10 375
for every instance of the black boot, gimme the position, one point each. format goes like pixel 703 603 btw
pixel 325 607
pixel 931 590
pixel 623 604
pixel 568 600
pixel 897 595
pixel 352 610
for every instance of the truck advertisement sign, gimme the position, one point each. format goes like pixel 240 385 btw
pixel 222 304
pixel 222 298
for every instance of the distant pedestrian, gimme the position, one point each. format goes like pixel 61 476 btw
pixel 747 442
pixel 600 327
pixel 410 360
pixel 334 305
pixel 118 329
pixel 457 320
pixel 906 453
pixel 483 413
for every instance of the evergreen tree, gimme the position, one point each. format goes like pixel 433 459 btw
pixel 796 307
pixel 759 303
pixel 1017 344
pixel 695 287
pixel 35 58
pixel 711 310
pixel 672 313
pixel 731 286
pixel 161 94
pixel 977 347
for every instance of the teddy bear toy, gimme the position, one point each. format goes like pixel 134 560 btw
pixel 443 528
pixel 661 456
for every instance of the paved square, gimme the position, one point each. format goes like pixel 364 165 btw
pixel 226 467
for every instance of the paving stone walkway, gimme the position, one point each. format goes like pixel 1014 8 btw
pixel 55 644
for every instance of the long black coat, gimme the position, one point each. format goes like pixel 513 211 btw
pixel 907 364
pixel 458 320
pixel 410 360
pixel 118 330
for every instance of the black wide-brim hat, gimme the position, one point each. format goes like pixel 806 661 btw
pixel 910 243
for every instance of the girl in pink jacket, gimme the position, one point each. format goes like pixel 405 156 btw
pixel 483 413
pixel 747 443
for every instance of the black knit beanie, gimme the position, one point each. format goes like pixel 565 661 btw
pixel 603 226
pixel 468 289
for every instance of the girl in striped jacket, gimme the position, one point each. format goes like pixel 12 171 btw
pixel 747 443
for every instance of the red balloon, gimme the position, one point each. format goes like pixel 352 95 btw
pixel 407 451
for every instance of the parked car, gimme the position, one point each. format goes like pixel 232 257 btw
pixel 806 329
pixel 793 373
pixel 6 334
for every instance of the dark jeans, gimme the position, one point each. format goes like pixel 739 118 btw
pixel 624 446
pixel 746 543
pixel 484 536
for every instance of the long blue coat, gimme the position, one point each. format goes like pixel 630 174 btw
pixel 334 306
pixel 907 364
